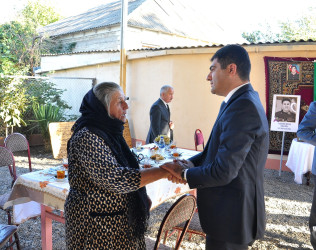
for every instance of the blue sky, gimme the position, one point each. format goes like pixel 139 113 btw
pixel 235 16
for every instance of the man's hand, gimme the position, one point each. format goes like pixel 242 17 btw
pixel 174 179
pixel 173 168
pixel 186 164
pixel 171 125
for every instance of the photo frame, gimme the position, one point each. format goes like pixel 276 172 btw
pixel 293 71
pixel 285 113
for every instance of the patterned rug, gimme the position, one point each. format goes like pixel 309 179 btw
pixel 279 80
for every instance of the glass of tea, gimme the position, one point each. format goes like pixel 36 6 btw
pixel 65 163
pixel 61 174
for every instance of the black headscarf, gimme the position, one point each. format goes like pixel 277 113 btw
pixel 95 117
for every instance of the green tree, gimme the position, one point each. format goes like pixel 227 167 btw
pixel 302 28
pixel 263 34
pixel 20 50
pixel 20 43
pixel 13 103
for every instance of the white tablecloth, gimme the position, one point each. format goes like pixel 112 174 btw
pixel 300 159
pixel 41 187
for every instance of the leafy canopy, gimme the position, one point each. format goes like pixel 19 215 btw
pixel 20 44
pixel 302 28
pixel 20 50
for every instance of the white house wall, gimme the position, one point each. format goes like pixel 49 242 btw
pixel 91 40
pixel 142 38
pixel 68 61
pixel 108 38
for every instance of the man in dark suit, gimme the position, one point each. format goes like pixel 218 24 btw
pixel 160 123
pixel 228 174
pixel 306 131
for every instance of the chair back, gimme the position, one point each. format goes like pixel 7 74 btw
pixel 18 142
pixel 180 212
pixel 7 159
pixel 7 231
pixel 198 138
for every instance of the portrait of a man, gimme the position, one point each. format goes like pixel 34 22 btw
pixel 287 112
pixel 293 72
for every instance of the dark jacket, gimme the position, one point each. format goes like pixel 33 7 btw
pixel 228 174
pixel 159 121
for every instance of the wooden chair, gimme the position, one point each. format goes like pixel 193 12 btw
pixel 198 138
pixel 194 227
pixel 6 233
pixel 180 212
pixel 17 142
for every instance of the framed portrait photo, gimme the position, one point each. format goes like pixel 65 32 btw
pixel 285 113
pixel 293 71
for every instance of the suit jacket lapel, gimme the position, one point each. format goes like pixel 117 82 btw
pixel 240 91
pixel 164 108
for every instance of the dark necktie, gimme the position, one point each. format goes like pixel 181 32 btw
pixel 168 108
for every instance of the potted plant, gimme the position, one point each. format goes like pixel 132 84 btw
pixel 45 114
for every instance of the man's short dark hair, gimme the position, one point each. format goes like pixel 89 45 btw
pixel 286 99
pixel 234 54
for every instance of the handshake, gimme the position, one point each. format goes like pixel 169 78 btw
pixel 174 170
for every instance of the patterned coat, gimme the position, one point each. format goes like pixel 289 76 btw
pixel 96 207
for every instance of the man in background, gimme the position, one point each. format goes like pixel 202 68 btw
pixel 228 174
pixel 160 123
pixel 306 132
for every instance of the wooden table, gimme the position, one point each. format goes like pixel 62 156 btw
pixel 48 193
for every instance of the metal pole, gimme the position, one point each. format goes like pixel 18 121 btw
pixel 124 11
pixel 282 153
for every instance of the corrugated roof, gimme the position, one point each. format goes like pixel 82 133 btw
pixel 100 16
pixel 178 17
pixel 193 47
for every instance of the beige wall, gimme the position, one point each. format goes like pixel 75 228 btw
pixel 193 106
pixel 185 69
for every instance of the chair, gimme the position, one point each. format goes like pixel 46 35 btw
pixel 17 142
pixel 6 233
pixel 180 212
pixel 7 159
pixel 194 227
pixel 198 138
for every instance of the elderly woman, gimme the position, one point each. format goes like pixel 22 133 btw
pixel 107 206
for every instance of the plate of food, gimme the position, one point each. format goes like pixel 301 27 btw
pixel 157 157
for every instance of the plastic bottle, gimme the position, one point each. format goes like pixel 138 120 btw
pixel 161 145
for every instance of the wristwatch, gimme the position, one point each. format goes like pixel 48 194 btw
pixel 182 174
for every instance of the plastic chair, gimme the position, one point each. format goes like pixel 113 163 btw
pixel 17 142
pixel 198 138
pixel 6 233
pixel 180 212
pixel 7 160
